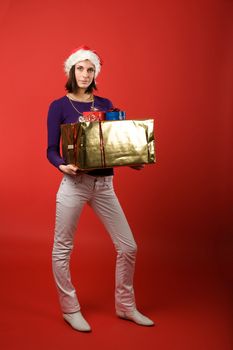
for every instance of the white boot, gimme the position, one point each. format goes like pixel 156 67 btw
pixel 136 317
pixel 77 321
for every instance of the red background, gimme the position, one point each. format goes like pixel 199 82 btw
pixel 169 60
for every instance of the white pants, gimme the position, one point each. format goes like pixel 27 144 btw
pixel 98 192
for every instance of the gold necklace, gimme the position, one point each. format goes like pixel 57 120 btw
pixel 92 105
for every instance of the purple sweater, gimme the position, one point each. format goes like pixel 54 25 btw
pixel 62 112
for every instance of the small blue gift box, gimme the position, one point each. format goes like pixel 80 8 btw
pixel 115 115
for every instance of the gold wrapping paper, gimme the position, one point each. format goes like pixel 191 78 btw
pixel 94 145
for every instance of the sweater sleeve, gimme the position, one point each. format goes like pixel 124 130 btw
pixel 110 105
pixel 54 134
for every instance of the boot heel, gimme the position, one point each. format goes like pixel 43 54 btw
pixel 120 314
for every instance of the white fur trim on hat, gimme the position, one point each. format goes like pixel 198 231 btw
pixel 81 55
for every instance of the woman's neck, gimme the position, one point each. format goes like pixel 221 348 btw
pixel 81 95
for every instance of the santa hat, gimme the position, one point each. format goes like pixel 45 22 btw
pixel 80 54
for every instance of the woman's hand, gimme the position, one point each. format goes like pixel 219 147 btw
pixel 138 167
pixel 69 169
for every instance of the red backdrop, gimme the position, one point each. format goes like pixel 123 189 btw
pixel 167 60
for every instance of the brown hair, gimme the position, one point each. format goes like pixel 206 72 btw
pixel 72 86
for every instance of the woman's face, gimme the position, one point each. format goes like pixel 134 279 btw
pixel 84 73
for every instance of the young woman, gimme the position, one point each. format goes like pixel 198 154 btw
pixel 94 187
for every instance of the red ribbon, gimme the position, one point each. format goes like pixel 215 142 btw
pixel 102 151
pixel 75 132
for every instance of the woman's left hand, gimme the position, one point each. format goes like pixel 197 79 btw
pixel 138 167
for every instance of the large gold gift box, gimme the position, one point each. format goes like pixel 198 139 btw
pixel 103 144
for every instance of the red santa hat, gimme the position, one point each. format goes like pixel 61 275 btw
pixel 80 54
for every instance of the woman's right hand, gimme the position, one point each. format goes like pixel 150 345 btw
pixel 69 169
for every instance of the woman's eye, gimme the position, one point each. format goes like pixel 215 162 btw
pixel 91 70
pixel 80 68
